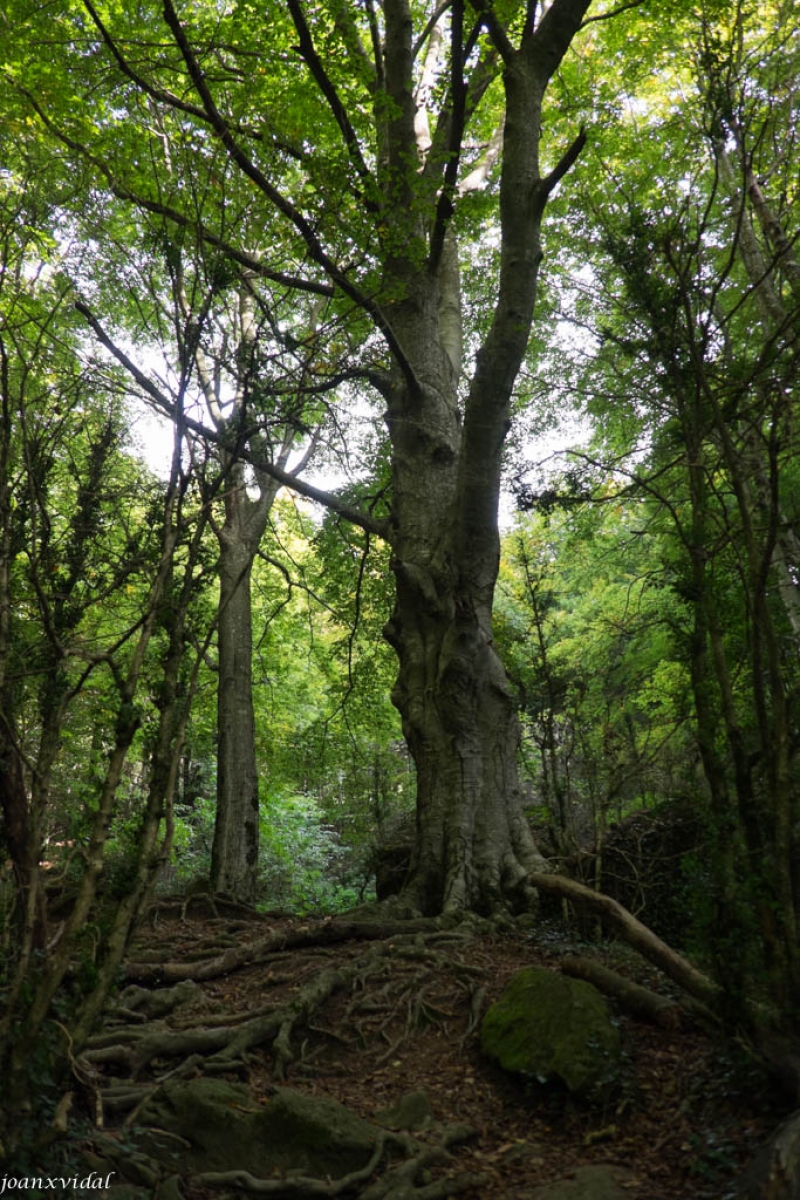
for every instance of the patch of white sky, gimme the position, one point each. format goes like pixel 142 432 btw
pixel 546 449
pixel 152 434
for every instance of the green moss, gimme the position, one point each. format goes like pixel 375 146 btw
pixel 548 1027
pixel 227 1130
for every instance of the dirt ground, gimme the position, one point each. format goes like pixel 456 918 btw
pixel 688 1116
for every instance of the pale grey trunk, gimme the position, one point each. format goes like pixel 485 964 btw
pixel 234 858
pixel 234 862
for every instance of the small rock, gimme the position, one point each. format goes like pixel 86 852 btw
pixel 170 1189
pixel 774 1173
pixel 412 1112
pixel 588 1183
pixel 209 1125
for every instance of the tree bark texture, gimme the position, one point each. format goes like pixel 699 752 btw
pixel 639 1001
pixel 474 849
pixel 234 860
pixel 635 934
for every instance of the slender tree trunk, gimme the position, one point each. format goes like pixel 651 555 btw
pixel 234 857
pixel 234 862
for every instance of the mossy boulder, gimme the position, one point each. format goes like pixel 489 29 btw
pixel 551 1028
pixel 226 1129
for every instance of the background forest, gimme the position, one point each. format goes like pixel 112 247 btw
pixel 216 529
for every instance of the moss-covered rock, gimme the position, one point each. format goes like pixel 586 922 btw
pixel 549 1027
pixel 227 1130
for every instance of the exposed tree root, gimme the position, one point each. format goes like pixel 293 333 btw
pixel 635 933
pixel 398 1182
pixel 252 953
pixel 637 1000
pixel 134 1047
pixel 375 1002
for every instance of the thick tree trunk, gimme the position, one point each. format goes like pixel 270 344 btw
pixel 474 848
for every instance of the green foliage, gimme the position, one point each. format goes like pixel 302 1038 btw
pixel 305 868
pixel 591 637
pixel 686 287
pixel 642 611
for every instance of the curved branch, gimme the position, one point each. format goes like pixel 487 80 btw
pixel 284 206
pixel 363 520
pixel 634 932
pixel 613 12
pixel 312 60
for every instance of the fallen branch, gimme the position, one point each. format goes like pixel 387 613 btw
pixel 637 1000
pixel 635 934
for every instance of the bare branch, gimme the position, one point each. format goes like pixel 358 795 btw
pixel 283 205
pixel 431 24
pixel 222 439
pixel 568 159
pixel 496 31
pixel 614 12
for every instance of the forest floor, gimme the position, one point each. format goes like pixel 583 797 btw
pixel 404 1017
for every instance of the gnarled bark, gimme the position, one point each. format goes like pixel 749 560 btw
pixel 474 848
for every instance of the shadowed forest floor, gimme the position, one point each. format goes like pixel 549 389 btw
pixel 686 1119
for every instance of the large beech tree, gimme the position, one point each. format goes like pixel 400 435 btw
pixel 363 131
